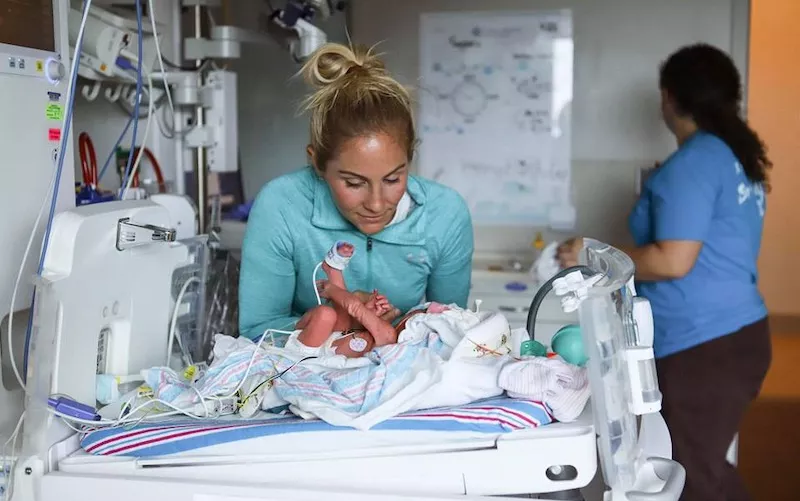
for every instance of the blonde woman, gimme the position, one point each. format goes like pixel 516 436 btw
pixel 413 238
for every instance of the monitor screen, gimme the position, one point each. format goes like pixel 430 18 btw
pixel 27 23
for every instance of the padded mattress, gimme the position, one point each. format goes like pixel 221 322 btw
pixel 268 434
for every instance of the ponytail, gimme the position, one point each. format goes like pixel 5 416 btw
pixel 748 148
pixel 705 85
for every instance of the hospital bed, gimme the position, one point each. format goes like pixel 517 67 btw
pixel 103 304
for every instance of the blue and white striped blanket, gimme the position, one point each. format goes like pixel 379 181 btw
pixel 443 359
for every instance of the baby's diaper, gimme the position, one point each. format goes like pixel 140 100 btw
pixel 326 350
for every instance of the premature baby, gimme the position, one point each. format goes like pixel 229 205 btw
pixel 349 326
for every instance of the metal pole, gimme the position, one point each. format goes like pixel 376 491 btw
pixel 179 120
pixel 201 168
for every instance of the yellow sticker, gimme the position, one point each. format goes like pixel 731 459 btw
pixel 39 66
pixel 54 111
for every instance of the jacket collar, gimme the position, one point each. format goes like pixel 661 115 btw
pixel 410 231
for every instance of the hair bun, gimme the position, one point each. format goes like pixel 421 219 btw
pixel 333 61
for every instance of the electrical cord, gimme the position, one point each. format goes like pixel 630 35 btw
pixel 7 458
pixel 62 151
pixel 160 57
pixel 134 172
pixel 544 290
pixel 131 415
pixel 314 282
pixel 140 36
pixel 18 281
pixel 174 322
pixel 183 68
pixel 113 152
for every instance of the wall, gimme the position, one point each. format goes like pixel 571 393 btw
pixel 272 136
pixel 616 121
pixel 774 101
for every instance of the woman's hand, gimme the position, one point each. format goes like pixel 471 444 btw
pixel 568 252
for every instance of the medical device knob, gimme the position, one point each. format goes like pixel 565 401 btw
pixel 54 70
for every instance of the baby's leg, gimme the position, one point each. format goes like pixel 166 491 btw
pixel 336 277
pixel 317 326
pixel 382 331
pixel 355 345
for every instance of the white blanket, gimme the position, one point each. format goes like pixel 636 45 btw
pixel 441 359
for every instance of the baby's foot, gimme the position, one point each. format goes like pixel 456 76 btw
pixel 338 257
pixel 345 249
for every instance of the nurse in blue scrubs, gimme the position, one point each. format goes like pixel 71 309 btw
pixel 697 227
pixel 413 238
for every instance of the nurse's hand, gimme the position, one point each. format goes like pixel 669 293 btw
pixel 568 252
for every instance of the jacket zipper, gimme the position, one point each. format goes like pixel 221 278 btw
pixel 369 264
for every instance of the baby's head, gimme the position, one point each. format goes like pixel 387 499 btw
pixel 434 307
pixel 431 307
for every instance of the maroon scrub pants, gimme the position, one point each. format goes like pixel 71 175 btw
pixel 706 391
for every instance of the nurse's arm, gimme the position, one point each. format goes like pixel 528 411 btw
pixel 267 276
pixel 666 260
pixel 683 198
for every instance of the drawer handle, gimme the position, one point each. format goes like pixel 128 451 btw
pixel 513 309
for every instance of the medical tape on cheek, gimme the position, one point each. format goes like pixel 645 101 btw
pixel 336 260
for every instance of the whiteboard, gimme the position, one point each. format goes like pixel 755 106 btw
pixel 494 117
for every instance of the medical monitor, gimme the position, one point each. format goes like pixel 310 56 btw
pixel 34 67
pixel 27 24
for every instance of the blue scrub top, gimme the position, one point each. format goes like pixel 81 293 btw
pixel 294 222
pixel 702 194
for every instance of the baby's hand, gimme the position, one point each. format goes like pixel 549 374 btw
pixel 380 304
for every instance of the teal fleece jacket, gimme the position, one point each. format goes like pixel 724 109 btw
pixel 294 222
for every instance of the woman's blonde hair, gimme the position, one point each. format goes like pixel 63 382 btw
pixel 354 96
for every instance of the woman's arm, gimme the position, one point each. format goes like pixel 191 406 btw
pixel 683 198
pixel 682 204
pixel 450 280
pixel 267 276
pixel 666 260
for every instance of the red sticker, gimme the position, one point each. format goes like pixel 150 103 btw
pixel 54 134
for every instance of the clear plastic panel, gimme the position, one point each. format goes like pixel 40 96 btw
pixel 190 326
pixel 649 381
pixel 607 325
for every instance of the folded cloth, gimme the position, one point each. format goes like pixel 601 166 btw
pixel 562 387
pixel 546 265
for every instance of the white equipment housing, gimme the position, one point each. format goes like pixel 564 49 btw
pixel 104 298
pixel 106 36
pixel 33 99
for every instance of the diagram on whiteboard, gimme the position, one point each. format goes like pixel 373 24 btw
pixel 494 115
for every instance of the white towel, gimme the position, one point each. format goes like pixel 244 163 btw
pixel 546 265
pixel 562 387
